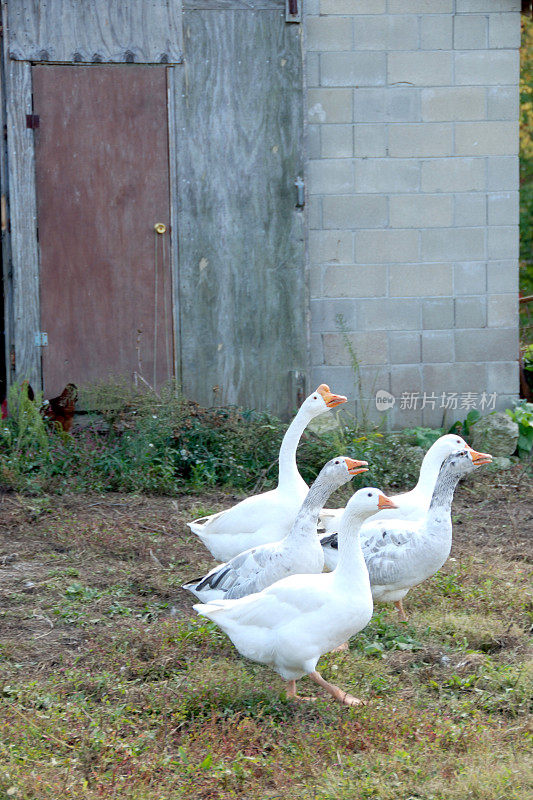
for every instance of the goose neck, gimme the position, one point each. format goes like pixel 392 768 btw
pixel 288 471
pixel 429 472
pixel 315 500
pixel 441 500
pixel 351 563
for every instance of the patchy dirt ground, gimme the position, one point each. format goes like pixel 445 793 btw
pixel 90 585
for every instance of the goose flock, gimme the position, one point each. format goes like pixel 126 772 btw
pixel 270 594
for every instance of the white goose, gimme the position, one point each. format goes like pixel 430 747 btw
pixel 401 553
pixel 413 504
pixel 299 552
pixel 266 517
pixel 289 625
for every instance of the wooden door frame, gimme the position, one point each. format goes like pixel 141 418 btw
pixel 20 245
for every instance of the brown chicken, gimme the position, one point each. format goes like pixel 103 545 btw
pixel 61 409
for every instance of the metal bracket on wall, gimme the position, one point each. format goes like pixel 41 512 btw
pixel 41 339
pixel 293 10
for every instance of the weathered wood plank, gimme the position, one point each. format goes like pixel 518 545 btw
pixel 6 240
pixel 23 219
pixel 232 5
pixel 143 31
pixel 242 277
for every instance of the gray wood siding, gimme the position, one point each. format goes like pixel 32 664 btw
pixel 242 287
pixel 95 30
pixel 23 289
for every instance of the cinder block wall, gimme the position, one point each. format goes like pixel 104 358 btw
pixel 412 182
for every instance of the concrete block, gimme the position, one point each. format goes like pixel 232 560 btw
pixel 357 211
pixel 325 314
pixel 471 311
pixel 438 347
pixel 503 102
pixel 370 141
pixel 385 32
pixel 313 146
pixel 353 69
pixel 450 244
pixel 503 208
pixel 370 380
pixel 388 175
pixel 502 310
pixel 421 211
pixel 474 345
pixel 314 212
pixel 404 416
pixel 421 139
pixel 337 141
pixel 502 173
pixel 334 247
pixel 422 68
pixel 405 379
pixel 387 314
pixel 470 209
pixel 503 242
pixel 469 277
pixel 470 32
pixel 504 30
pixel 452 175
pixel 340 379
pixel 433 416
pixel 330 105
pixel 312 69
pixel 370 348
pixel 420 7
pixel 484 67
pixel 436 32
pixel 453 103
pixel 356 280
pixel 404 347
pixel 486 138
pixel 502 377
pixel 317 349
pixel 353 6
pixel 473 6
pixel 312 8
pixel 420 280
pixel 438 314
pixel 329 33
pixel 459 378
pixel 330 176
pixel 386 246
pixel 502 276
pixel 393 104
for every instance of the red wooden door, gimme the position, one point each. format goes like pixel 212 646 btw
pixel 102 174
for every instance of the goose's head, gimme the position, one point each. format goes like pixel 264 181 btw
pixel 321 400
pixel 452 443
pixel 464 461
pixel 341 469
pixel 368 501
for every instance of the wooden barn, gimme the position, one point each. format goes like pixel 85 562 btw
pixel 153 218
pixel 239 194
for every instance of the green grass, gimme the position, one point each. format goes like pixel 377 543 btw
pixel 110 687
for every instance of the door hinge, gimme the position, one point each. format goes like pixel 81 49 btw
pixel 32 121
pixel 41 339
pixel 293 10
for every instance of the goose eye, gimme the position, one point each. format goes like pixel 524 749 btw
pixel 336 462
pixel 315 397
pixel 370 494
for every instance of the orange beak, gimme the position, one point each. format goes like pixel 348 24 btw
pixel 385 502
pixel 479 458
pixel 331 400
pixel 354 467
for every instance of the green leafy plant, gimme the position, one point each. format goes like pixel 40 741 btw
pixel 522 414
pixel 463 428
